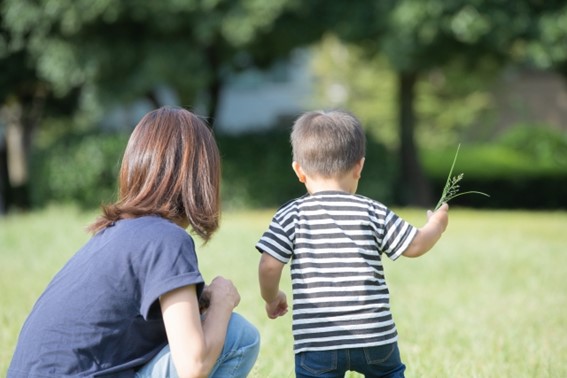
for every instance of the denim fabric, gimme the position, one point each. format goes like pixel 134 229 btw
pixel 380 361
pixel 237 358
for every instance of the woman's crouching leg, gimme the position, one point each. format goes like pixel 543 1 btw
pixel 161 366
pixel 240 350
pixel 237 358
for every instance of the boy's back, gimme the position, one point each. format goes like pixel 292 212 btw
pixel 335 241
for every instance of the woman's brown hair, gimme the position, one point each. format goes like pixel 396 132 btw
pixel 171 168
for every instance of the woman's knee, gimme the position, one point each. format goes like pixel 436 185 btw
pixel 242 331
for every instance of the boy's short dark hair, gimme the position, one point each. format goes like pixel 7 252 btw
pixel 327 143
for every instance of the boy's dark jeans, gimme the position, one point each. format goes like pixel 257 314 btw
pixel 381 361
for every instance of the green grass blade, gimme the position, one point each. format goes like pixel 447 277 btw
pixel 448 182
pixel 451 189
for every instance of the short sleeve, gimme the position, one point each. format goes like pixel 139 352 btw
pixel 171 263
pixel 276 242
pixel 397 235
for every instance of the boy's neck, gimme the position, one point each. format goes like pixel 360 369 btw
pixel 347 182
pixel 324 184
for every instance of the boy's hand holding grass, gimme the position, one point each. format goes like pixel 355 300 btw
pixel 437 220
pixel 430 233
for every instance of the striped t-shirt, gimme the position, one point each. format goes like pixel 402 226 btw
pixel 335 241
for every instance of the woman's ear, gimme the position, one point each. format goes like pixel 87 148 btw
pixel 298 171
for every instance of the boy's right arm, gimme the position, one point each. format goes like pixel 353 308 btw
pixel 430 233
pixel 269 274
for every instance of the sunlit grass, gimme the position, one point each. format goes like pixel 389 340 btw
pixel 489 301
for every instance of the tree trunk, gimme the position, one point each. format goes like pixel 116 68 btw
pixel 17 164
pixel 413 189
pixel 152 98
pixel 214 98
pixel 21 116
pixel 3 173
pixel 215 85
pixel 16 159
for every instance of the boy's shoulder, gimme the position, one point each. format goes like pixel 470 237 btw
pixel 295 204
pixel 334 196
pixel 369 200
pixel 295 201
pixel 292 203
pixel 363 202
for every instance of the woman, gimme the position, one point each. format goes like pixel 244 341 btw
pixel 132 302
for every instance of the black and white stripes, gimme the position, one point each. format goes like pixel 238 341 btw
pixel 335 242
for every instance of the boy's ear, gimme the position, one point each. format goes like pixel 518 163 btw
pixel 358 168
pixel 298 171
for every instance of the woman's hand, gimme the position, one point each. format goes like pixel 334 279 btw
pixel 221 292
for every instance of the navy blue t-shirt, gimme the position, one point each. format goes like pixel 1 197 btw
pixel 100 314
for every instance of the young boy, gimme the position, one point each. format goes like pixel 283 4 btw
pixel 335 240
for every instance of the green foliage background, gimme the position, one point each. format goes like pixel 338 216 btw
pixel 257 170
pixel 80 168
pixel 525 168
pixel 449 101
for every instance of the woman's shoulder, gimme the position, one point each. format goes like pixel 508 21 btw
pixel 148 227
pixel 153 221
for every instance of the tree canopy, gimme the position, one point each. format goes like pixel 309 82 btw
pixel 417 36
pixel 107 52
pixel 93 52
pixel 119 50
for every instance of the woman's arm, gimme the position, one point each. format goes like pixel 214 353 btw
pixel 196 344
pixel 430 233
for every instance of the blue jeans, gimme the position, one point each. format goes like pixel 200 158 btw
pixel 379 361
pixel 237 358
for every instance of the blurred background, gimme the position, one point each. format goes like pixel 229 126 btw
pixel 422 75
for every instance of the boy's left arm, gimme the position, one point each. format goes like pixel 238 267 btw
pixel 430 233
pixel 269 274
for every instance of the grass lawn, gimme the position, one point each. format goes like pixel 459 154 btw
pixel 489 301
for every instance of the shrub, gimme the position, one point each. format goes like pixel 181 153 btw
pixel 82 168
pixel 525 168
pixel 79 168
pixel 544 145
pixel 257 170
